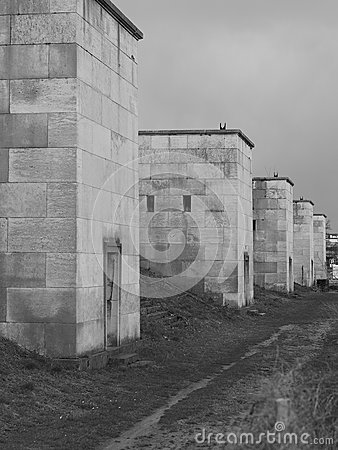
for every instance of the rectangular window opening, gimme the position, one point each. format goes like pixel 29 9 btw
pixel 150 203
pixel 187 203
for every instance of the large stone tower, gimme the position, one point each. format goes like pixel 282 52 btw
pixel 303 242
pixel 319 243
pixel 273 233
pixel 196 211
pixel 69 270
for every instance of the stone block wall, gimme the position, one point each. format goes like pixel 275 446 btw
pixel 273 233
pixel 68 179
pixel 319 243
pixel 196 211
pixel 303 248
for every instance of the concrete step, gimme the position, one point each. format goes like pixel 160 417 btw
pixel 122 349
pixel 96 360
pixel 124 359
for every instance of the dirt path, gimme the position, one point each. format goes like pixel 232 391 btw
pixel 217 402
pixel 207 374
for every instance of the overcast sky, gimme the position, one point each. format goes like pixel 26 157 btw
pixel 268 67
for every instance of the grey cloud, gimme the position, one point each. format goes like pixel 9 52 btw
pixel 268 67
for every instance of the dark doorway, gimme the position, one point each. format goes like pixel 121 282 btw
pixel 246 278
pixel 290 275
pixel 112 294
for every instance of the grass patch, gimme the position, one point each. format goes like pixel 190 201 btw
pixel 42 407
pixel 311 388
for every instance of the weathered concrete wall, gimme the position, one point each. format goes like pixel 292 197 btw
pixel 303 249
pixel 108 188
pixel 68 103
pixel 319 243
pixel 196 210
pixel 273 233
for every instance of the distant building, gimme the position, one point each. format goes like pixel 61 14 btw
pixel 332 255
